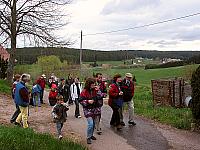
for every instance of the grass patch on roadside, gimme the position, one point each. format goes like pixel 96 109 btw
pixel 4 87
pixel 15 138
pixel 177 117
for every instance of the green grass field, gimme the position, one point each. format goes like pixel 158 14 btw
pixel 144 77
pixel 16 138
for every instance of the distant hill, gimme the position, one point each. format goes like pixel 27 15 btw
pixel 28 55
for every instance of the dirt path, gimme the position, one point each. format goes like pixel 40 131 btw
pixel 145 135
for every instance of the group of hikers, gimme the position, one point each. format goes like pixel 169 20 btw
pixel 66 92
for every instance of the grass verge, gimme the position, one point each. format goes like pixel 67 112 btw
pixel 179 118
pixel 4 87
pixel 15 138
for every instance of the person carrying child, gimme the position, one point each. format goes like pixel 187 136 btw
pixel 59 114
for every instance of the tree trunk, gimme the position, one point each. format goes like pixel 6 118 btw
pixel 13 43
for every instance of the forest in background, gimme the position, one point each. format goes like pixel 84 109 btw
pixel 29 55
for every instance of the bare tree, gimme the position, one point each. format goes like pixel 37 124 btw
pixel 35 19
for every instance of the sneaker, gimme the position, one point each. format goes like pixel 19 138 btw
pixel 132 123
pixel 60 137
pixel 99 132
pixel 11 121
pixel 17 124
pixel 79 116
pixel 122 123
pixel 119 127
pixel 93 138
pixel 89 141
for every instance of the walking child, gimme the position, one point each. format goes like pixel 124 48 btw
pixel 36 91
pixel 59 113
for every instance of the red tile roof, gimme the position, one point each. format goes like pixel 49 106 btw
pixel 3 53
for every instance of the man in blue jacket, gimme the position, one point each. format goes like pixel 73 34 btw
pixel 22 100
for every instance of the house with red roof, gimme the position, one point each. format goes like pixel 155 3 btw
pixel 4 53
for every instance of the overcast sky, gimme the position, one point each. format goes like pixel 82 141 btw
pixel 94 16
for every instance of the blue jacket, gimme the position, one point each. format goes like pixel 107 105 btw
pixel 36 88
pixel 18 99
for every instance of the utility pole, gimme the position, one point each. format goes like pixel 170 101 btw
pixel 81 53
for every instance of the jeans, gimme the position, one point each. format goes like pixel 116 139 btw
pixel 90 127
pixel 15 115
pixel 23 116
pixel 59 126
pixel 77 112
pixel 130 110
pixel 36 97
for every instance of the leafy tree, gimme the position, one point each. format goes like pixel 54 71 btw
pixel 49 64
pixel 34 19
pixel 195 83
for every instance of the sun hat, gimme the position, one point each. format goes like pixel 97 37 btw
pixel 129 75
pixel 43 75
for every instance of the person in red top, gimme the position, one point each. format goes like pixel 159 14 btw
pixel 89 99
pixel 115 100
pixel 128 89
pixel 41 81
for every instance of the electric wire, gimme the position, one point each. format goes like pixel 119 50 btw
pixel 142 26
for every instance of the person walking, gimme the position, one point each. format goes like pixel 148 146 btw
pixel 75 90
pixel 42 82
pixel 36 92
pixel 61 86
pixel 66 92
pixel 88 99
pixel 17 111
pixel 22 100
pixel 59 114
pixel 128 89
pixel 70 81
pixel 101 88
pixel 115 101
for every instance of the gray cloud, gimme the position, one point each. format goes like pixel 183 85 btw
pixel 164 42
pixel 127 5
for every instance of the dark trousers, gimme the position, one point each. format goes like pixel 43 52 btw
pixel 41 96
pixel 115 119
pixel 15 115
pixel 77 112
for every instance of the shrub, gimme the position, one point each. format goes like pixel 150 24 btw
pixel 195 83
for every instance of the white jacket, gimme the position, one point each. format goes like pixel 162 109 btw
pixel 73 90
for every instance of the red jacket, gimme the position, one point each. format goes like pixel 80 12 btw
pixel 102 87
pixel 41 82
pixel 90 110
pixel 113 93
pixel 128 90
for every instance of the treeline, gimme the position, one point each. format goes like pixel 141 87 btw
pixel 29 55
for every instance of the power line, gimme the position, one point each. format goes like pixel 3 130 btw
pixel 146 25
